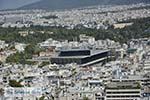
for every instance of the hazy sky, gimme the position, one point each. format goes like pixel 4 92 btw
pixel 8 4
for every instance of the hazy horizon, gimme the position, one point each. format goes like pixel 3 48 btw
pixel 60 4
pixel 12 4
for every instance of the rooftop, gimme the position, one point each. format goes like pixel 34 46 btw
pixel 123 85
pixel 92 52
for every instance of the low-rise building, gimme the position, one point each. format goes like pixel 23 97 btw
pixel 123 91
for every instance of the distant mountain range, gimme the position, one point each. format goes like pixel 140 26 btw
pixel 69 4
pixel 12 4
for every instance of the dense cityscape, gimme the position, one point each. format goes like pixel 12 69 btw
pixel 37 64
pixel 92 17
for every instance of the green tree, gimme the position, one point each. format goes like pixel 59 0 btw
pixel 85 98
pixel 14 83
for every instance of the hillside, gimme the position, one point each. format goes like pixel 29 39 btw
pixel 12 4
pixel 69 4
pixel 140 29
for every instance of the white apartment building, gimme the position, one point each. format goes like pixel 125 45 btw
pixel 123 91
